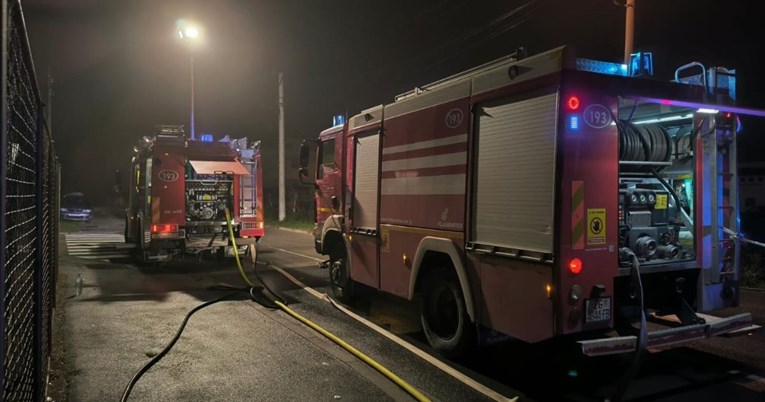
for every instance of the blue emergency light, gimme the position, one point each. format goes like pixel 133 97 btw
pixel 602 67
pixel 338 120
pixel 206 138
pixel 573 122
pixel 641 63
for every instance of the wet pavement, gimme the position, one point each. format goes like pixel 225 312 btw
pixel 242 350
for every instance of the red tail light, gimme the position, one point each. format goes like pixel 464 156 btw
pixel 575 266
pixel 573 103
pixel 164 228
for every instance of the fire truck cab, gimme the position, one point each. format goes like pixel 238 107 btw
pixel 540 197
pixel 180 190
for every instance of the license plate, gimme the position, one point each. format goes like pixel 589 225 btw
pixel 598 309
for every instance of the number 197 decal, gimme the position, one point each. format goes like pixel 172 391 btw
pixel 597 116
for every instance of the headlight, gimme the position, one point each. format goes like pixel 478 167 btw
pixel 87 211
pixel 64 210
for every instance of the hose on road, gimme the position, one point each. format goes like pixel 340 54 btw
pixel 282 304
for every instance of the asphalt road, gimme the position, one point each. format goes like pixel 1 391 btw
pixel 241 350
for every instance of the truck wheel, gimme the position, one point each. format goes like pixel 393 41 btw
pixel 339 276
pixel 140 242
pixel 444 317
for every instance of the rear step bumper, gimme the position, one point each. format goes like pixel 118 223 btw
pixel 740 324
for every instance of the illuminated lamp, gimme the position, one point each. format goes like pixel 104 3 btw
pixel 573 103
pixel 575 266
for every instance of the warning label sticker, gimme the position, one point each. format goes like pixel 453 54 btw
pixel 596 226
pixel 661 201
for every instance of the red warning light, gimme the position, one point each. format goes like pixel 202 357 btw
pixel 573 103
pixel 575 266
pixel 164 228
pixel 727 121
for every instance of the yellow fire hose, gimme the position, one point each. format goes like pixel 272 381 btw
pixel 366 359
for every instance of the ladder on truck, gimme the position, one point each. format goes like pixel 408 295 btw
pixel 248 191
pixel 721 248
pixel 725 205
pixel 248 184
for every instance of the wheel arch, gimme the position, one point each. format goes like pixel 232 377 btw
pixel 330 229
pixel 431 250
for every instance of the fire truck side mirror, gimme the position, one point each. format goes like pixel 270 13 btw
pixel 303 163
pixel 303 174
pixel 304 155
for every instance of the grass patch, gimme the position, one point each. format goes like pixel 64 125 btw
pixel 305 226
pixel 69 226
pixel 301 220
pixel 753 266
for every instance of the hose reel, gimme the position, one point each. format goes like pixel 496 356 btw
pixel 644 142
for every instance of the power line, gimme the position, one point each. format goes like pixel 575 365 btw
pixel 484 28
pixel 505 20
pixel 525 17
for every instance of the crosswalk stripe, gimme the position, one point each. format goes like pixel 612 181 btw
pixel 95 246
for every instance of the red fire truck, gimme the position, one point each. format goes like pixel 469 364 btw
pixel 541 197
pixel 181 188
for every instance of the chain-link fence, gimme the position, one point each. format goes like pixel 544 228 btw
pixel 28 219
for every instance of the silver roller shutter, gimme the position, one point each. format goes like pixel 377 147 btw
pixel 514 183
pixel 365 182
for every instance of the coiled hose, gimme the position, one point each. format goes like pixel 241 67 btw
pixel 644 142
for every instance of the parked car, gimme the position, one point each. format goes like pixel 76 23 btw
pixel 76 207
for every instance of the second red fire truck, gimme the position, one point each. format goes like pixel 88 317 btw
pixel 540 197
pixel 181 188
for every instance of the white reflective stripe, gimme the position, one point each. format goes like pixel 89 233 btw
pixel 456 139
pixel 457 158
pixel 425 185
pixel 459 376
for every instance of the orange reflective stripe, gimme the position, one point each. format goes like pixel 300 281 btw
pixel 577 215
pixel 155 210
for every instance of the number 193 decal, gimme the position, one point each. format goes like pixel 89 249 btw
pixel 597 116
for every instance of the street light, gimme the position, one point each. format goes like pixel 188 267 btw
pixel 189 32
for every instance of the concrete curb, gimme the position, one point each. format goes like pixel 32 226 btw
pixel 289 229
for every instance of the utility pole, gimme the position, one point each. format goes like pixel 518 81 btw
pixel 629 29
pixel 282 214
pixel 191 53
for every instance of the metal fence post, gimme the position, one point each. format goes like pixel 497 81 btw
pixel 27 227
pixel 3 174
pixel 40 260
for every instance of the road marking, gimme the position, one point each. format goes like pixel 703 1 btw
pixel 406 345
pixel 298 254
pixel 95 246
pixel 751 377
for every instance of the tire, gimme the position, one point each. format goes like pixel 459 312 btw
pixel 142 252
pixel 444 317
pixel 340 276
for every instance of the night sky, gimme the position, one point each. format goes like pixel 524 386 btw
pixel 119 68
